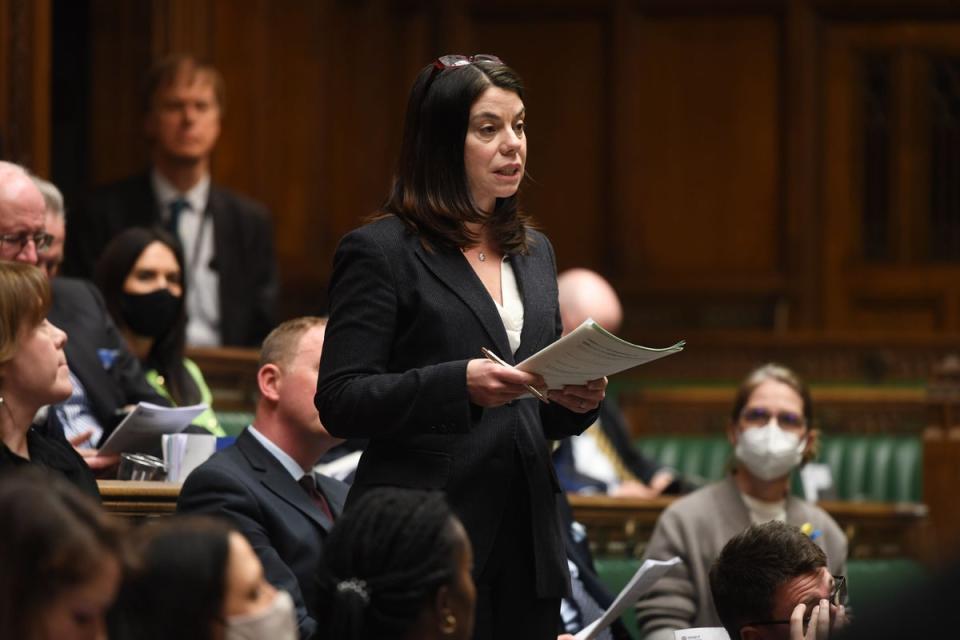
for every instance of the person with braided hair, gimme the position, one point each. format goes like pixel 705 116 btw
pixel 396 566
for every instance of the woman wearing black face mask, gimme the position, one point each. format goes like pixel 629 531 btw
pixel 141 276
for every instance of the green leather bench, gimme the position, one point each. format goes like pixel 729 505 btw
pixel 234 422
pixel 881 468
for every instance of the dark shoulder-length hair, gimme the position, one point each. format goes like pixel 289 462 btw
pixel 430 191
pixel 166 354
pixel 175 584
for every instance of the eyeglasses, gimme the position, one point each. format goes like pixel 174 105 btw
pixel 837 597
pixel 760 417
pixel 41 240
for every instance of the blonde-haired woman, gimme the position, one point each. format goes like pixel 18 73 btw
pixel 33 373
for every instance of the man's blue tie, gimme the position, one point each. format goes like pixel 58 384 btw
pixel 173 220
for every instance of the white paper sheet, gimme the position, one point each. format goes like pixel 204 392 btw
pixel 587 353
pixel 141 429
pixel 645 577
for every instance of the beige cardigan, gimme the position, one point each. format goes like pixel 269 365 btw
pixel 695 528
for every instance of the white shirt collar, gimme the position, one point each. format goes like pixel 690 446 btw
pixel 166 193
pixel 294 469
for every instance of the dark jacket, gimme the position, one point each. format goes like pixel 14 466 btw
pixel 242 246
pixel 54 454
pixel 247 485
pixel 404 322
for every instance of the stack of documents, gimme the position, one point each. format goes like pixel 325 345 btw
pixel 140 431
pixel 587 353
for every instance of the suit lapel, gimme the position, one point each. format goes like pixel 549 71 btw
pixel 451 268
pixel 277 480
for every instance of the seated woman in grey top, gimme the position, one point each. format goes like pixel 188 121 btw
pixel 770 430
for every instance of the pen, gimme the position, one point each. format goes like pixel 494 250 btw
pixel 492 357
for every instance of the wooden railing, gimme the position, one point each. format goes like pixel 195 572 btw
pixel 873 529
pixel 616 525
pixel 231 374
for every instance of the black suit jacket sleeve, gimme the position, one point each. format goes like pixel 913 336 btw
pixel 358 394
pixel 215 491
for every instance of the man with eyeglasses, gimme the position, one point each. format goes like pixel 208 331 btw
pixel 771 581
pixel 105 376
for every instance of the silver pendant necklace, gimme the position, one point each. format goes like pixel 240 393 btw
pixel 481 256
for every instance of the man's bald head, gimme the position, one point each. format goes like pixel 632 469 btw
pixel 585 294
pixel 22 211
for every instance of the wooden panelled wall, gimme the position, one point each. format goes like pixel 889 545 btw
pixel 706 155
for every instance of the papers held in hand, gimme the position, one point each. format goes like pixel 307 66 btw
pixel 141 430
pixel 587 353
pixel 641 582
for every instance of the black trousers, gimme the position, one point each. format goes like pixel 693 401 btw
pixel 507 602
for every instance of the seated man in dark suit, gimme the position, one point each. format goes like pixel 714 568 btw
pixel 105 376
pixel 227 238
pixel 258 483
pixel 602 459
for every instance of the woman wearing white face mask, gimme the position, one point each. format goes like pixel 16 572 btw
pixel 771 434
pixel 194 578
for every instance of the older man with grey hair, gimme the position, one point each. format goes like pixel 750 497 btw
pixel 55 222
pixel 106 377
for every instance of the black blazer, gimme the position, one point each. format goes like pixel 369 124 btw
pixel 247 485
pixel 404 321
pixel 96 353
pixel 242 246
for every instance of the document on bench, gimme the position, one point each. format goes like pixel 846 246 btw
pixel 645 577
pixel 587 353
pixel 141 429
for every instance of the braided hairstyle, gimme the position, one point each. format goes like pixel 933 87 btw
pixel 384 561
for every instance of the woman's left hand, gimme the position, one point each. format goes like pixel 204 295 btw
pixel 581 398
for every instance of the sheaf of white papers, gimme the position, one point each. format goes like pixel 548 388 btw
pixel 587 353
pixel 143 426
pixel 645 577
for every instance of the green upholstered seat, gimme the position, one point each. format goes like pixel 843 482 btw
pixel 234 422
pixel 883 468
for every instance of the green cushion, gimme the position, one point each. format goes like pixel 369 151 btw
pixel 234 422
pixel 872 583
pixel 883 468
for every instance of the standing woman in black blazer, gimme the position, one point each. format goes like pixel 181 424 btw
pixel 450 265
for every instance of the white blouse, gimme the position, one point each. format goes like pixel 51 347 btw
pixel 511 311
